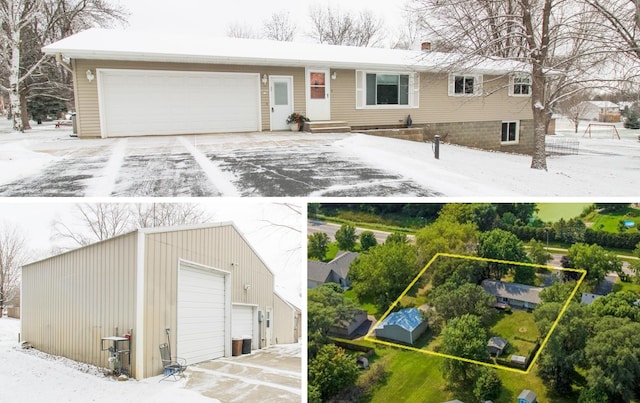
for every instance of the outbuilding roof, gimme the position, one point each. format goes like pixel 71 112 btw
pixel 497 342
pixel 528 395
pixel 105 44
pixel 515 291
pixel 408 319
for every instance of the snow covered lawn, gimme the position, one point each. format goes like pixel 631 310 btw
pixel 47 162
pixel 30 376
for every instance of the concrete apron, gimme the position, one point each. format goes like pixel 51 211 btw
pixel 262 376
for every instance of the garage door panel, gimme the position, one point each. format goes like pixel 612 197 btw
pixel 157 102
pixel 201 314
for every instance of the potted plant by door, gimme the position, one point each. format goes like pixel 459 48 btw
pixel 296 121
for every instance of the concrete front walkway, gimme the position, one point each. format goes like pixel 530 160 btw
pixel 269 375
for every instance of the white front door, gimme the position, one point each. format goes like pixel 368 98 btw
pixel 318 90
pixel 281 100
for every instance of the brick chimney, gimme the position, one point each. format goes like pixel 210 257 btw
pixel 426 46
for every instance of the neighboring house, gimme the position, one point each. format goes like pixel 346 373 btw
pixel 348 326
pixel 514 294
pixel 336 271
pixel 588 298
pixel 135 84
pixel 405 326
pixel 496 346
pixel 602 111
pixel 205 283
pixel 527 396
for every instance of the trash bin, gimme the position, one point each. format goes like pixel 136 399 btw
pixel 246 344
pixel 236 347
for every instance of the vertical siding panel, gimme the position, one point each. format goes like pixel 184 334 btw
pixel 73 299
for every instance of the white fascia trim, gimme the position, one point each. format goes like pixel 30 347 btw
pixel 140 282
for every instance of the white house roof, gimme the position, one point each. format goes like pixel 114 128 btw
pixel 604 104
pixel 102 44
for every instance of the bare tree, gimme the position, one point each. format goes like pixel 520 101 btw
pixel 623 18
pixel 13 254
pixel 238 30
pixel 574 108
pixel 97 222
pixel 26 26
pixel 550 36
pixel 169 214
pixel 280 27
pixel 335 27
pixel 409 32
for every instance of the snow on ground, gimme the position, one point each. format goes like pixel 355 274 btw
pixel 603 167
pixel 273 164
pixel 29 376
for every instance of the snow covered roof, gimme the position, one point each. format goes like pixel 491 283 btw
pixel 103 44
pixel 604 104
pixel 408 319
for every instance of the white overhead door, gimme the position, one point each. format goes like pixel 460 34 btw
pixel 242 322
pixel 152 102
pixel 202 309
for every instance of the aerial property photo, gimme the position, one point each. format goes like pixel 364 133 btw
pixel 474 302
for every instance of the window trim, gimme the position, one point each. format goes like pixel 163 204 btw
pixel 517 139
pixel 512 84
pixel 477 84
pixel 412 90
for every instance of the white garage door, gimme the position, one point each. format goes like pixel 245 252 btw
pixel 149 102
pixel 201 314
pixel 242 322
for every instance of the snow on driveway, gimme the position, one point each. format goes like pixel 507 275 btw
pixel 47 162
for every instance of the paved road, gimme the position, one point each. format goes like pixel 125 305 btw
pixel 331 229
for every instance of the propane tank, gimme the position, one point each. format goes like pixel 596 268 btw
pixel 114 363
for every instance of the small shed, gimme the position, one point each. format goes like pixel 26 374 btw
pixel 405 326
pixel 527 396
pixel 496 345
pixel 519 360
pixel 347 326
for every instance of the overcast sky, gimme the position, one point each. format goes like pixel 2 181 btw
pixel 280 248
pixel 212 17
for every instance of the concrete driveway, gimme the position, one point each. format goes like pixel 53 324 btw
pixel 245 164
pixel 269 375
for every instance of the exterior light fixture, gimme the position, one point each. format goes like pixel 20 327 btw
pixel 90 76
pixel 334 75
pixel 247 286
pixel 265 79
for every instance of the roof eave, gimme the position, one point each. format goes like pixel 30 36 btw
pixel 252 61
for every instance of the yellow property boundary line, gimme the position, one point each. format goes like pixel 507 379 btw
pixel 486 364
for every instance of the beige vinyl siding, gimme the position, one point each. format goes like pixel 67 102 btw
pixel 87 92
pixel 216 247
pixel 284 321
pixel 71 301
pixel 435 105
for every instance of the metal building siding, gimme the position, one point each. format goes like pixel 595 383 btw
pixel 87 92
pixel 216 247
pixel 284 317
pixel 71 301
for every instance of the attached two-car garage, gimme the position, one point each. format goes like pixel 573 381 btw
pixel 159 102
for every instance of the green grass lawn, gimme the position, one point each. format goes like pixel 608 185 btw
pixel 609 221
pixel 366 305
pixel 519 329
pixel 624 286
pixel 415 377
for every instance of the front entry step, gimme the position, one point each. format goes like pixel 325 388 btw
pixel 327 126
